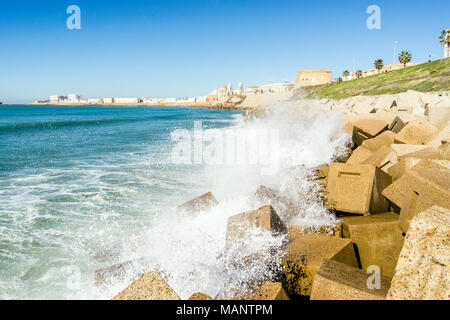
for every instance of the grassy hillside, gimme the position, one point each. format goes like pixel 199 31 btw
pixel 426 77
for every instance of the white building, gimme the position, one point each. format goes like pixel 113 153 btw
pixel 58 98
pixel 108 100
pixel 95 101
pixel 240 88
pixel 74 97
pixel 201 99
pixel 371 72
pixel 253 90
pixel 127 100
pixel 282 87
pixel 222 92
pixel 151 100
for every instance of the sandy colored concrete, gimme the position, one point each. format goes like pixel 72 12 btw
pixel 378 240
pixel 338 281
pixel 202 203
pixel 265 218
pixel 150 286
pixel 423 267
pixel 304 255
pixel 357 188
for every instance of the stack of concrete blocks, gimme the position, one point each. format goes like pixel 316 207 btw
pixel 406 138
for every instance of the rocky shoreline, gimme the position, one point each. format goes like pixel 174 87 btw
pixel 390 194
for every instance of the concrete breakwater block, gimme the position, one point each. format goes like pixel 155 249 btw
pixel 122 271
pixel 239 227
pixel 439 116
pixel 384 139
pixel 338 281
pixel 304 255
pixel 296 231
pixel 267 291
pixel 401 167
pixel 432 187
pixel 400 121
pixel 370 148
pixel 385 102
pixel 416 132
pixel 402 110
pixel 418 190
pixel 405 149
pixel 442 138
pixel 383 158
pixel 426 153
pixel 365 129
pixel 378 240
pixel 283 206
pixel 150 286
pixel 423 267
pixel 271 291
pixel 432 164
pixel 359 155
pixel 357 189
pixel 411 99
pixel 202 203
pixel 200 296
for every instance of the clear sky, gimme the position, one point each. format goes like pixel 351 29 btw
pixel 186 48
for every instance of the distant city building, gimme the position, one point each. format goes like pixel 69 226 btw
pixel 307 78
pixel 253 90
pixel 108 100
pixel 371 72
pixel 230 89
pixel 240 88
pixel 151 100
pixel 74 97
pixel 282 87
pixel 222 92
pixel 58 98
pixel 95 101
pixel 201 99
pixel 126 100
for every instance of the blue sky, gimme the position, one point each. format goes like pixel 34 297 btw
pixel 188 48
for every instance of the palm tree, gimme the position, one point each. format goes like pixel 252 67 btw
pixel 358 74
pixel 444 40
pixel 405 57
pixel 378 64
pixel 345 73
pixel 445 37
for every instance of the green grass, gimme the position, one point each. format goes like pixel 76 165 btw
pixel 427 77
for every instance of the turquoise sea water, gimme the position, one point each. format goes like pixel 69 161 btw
pixel 76 181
